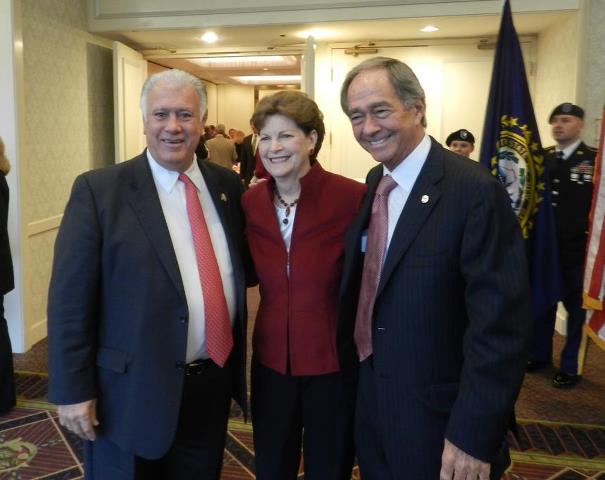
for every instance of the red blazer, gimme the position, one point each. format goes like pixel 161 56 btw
pixel 297 316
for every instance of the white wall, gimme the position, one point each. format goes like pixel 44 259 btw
pixel 235 106
pixel 556 72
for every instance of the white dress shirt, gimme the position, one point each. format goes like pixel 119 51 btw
pixel 405 175
pixel 567 151
pixel 172 198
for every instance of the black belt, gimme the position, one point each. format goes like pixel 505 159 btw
pixel 198 366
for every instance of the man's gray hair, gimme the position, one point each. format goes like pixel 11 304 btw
pixel 402 78
pixel 220 128
pixel 174 78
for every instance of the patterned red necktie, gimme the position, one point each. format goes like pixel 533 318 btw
pixel 372 266
pixel 219 339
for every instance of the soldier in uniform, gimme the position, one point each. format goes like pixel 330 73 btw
pixel 570 165
pixel 461 141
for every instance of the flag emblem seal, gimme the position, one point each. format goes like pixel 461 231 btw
pixel 518 164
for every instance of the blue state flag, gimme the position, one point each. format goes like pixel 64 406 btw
pixel 512 150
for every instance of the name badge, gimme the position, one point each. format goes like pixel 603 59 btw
pixel 364 241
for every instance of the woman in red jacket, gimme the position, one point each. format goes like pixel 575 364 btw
pixel 296 223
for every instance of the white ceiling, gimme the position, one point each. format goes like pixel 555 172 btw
pixel 175 48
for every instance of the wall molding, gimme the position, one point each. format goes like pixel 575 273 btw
pixel 119 15
pixel 37 332
pixel 44 225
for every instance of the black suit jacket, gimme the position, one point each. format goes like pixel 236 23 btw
pixel 117 311
pixel 247 160
pixel 6 263
pixel 452 314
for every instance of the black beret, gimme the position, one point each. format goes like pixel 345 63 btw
pixel 461 134
pixel 567 109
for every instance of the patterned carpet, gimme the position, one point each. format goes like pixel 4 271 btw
pixel 34 446
pixel 561 432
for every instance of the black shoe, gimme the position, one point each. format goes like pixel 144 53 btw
pixel 565 380
pixel 535 365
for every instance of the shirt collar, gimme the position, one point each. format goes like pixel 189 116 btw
pixel 406 173
pixel 567 151
pixel 167 178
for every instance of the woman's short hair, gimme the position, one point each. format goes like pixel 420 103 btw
pixel 5 165
pixel 296 106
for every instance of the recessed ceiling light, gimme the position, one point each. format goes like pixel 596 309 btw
pixel 209 37
pixel 429 28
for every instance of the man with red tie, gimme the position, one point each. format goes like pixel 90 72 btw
pixel 147 307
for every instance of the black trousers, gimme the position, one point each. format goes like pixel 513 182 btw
pixel 544 326
pixel 7 376
pixel 313 412
pixel 197 450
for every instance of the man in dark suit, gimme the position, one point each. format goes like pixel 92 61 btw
pixel 570 165
pixel 7 381
pixel 438 265
pixel 146 332
pixel 247 157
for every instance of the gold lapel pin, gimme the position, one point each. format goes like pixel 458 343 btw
pixel 425 199
pixel 223 197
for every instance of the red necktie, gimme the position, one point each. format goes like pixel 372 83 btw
pixel 219 339
pixel 372 266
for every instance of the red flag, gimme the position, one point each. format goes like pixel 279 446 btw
pixel 594 278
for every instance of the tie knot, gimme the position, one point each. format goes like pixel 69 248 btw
pixel 185 179
pixel 560 155
pixel 386 185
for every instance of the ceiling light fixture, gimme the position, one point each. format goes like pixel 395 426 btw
pixel 267 79
pixel 209 37
pixel 429 29
pixel 252 61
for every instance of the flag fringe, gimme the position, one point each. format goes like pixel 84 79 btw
pixel 591 303
pixel 594 337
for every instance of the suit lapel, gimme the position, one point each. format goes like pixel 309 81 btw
pixel 419 205
pixel 144 200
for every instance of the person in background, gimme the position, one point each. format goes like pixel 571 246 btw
pixel 247 158
pixel 295 225
pixel 436 291
pixel 221 149
pixel 7 380
pixel 570 166
pixel 147 306
pixel 461 141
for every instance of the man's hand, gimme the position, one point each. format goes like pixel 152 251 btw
pixel 457 465
pixel 255 182
pixel 80 418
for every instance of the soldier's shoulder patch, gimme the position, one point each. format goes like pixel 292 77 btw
pixel 550 149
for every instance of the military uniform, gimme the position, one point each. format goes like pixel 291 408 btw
pixel 571 187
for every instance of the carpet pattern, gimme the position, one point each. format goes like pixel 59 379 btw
pixel 34 446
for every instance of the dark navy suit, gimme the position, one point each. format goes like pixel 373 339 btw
pixel 450 323
pixel 117 312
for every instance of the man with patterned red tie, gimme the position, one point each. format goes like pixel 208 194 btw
pixel 435 294
pixel 147 307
